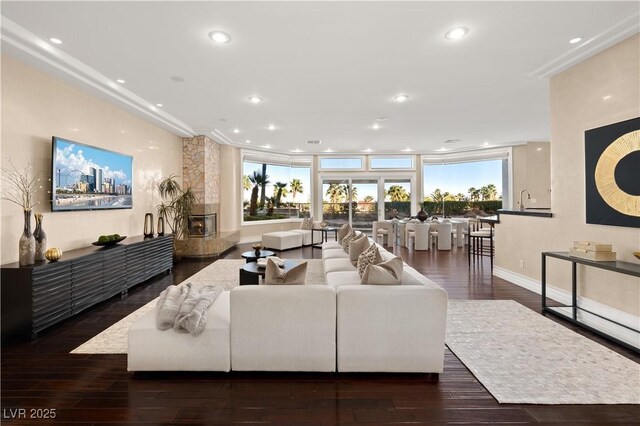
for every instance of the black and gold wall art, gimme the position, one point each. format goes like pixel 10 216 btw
pixel 612 165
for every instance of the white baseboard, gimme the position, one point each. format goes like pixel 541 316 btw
pixel 564 297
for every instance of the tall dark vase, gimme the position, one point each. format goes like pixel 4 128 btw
pixel 160 225
pixel 27 244
pixel 40 237
pixel 148 225
pixel 422 215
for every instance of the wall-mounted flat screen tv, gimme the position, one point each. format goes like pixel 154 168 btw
pixel 85 177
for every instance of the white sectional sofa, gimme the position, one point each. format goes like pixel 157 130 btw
pixel 343 326
pixel 396 328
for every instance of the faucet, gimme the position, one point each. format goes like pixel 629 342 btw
pixel 528 198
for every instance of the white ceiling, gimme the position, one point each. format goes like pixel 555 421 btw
pixel 326 70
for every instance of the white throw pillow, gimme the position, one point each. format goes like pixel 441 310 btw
pixel 276 275
pixel 356 247
pixel 343 231
pixel 385 273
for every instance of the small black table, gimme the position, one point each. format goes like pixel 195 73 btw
pixel 250 256
pixel 324 234
pixel 250 273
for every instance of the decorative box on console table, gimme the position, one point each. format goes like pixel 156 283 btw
pixel 599 252
pixel 38 296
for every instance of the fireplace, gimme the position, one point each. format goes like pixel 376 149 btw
pixel 202 225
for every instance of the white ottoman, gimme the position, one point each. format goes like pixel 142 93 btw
pixel 151 349
pixel 282 240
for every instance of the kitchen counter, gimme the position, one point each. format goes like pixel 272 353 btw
pixel 527 212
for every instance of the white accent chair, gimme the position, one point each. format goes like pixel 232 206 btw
pixel 383 231
pixel 417 236
pixel 441 233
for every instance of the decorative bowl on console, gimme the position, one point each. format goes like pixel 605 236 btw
pixel 110 240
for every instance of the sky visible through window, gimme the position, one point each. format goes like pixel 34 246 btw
pixel 283 174
pixel 459 177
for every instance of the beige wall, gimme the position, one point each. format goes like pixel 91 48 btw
pixel 532 171
pixel 230 188
pixel 577 105
pixel 36 107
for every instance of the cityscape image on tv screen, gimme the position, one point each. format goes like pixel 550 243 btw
pixel 88 178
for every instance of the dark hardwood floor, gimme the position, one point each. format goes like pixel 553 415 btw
pixel 97 389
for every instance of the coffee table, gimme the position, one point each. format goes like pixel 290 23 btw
pixel 250 256
pixel 250 273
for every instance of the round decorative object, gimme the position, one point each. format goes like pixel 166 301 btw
pixel 608 189
pixel 422 215
pixel 53 254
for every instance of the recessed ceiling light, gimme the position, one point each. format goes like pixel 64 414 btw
pixel 538 149
pixel 375 126
pixel 255 99
pixel 407 150
pixel 456 33
pixel 328 150
pixel 247 141
pixel 219 37
pixel 485 144
pixel 266 146
pixel 442 149
pixel 271 127
pixel 401 98
pixel 575 40
pixel 159 105
pixel 296 150
pixel 121 81
pixel 236 131
pixel 55 40
pixel 367 150
pixel 606 97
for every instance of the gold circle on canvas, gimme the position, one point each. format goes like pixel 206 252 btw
pixel 615 197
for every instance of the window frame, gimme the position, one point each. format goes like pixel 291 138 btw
pixel 390 157
pixel 362 159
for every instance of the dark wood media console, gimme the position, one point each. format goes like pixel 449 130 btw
pixel 38 296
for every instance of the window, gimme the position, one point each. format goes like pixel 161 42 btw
pixel 456 188
pixel 391 163
pixel 333 163
pixel 284 194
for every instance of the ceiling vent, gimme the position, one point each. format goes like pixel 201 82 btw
pixel 452 141
pixel 314 142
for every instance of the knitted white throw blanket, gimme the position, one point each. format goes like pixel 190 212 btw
pixel 184 308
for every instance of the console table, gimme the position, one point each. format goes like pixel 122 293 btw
pixel 38 296
pixel 571 312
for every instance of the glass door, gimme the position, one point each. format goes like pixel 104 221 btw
pixel 335 207
pixel 364 204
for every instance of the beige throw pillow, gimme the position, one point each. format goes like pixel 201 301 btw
pixel 356 247
pixel 307 223
pixel 276 275
pixel 343 231
pixel 347 239
pixel 370 256
pixel 385 273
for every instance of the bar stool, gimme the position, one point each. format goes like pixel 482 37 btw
pixel 480 242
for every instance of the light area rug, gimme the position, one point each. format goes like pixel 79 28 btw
pixel 517 354
pixel 223 272
pixel 522 357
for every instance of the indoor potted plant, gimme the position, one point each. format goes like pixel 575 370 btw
pixel 176 208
